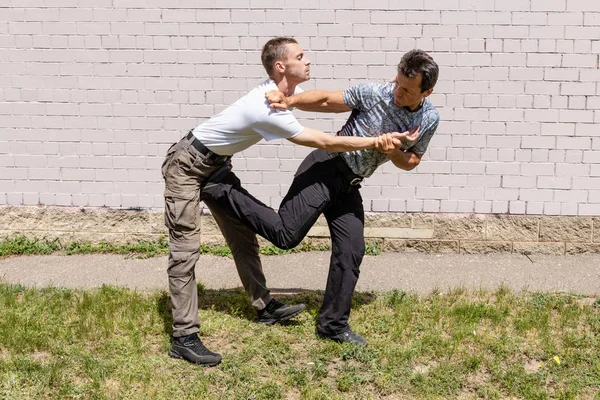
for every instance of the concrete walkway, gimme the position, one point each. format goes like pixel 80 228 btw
pixel 410 272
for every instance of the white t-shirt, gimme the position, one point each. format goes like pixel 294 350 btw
pixel 246 122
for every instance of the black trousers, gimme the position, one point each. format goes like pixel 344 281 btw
pixel 322 185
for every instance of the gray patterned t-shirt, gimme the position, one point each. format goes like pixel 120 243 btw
pixel 374 113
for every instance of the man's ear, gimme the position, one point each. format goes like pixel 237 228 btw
pixel 279 67
pixel 427 92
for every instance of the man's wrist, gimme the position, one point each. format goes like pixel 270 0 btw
pixel 290 101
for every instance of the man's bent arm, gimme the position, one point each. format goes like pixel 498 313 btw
pixel 406 160
pixel 317 100
pixel 314 138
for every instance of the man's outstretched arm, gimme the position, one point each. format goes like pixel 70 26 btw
pixel 385 143
pixel 311 100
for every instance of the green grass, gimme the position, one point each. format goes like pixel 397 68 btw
pixel 18 245
pixel 142 248
pixel 111 343
pixel 372 249
pixel 21 245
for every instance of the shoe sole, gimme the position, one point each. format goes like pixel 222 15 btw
pixel 269 322
pixel 320 336
pixel 175 355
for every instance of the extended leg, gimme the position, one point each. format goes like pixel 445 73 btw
pixel 244 247
pixel 309 194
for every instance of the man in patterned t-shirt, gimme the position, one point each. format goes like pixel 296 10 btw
pixel 401 105
pixel 328 183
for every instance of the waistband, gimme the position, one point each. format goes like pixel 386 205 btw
pixel 346 171
pixel 210 155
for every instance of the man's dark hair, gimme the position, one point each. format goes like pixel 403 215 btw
pixel 416 61
pixel 275 50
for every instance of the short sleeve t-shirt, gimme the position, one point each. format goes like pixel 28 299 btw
pixel 373 113
pixel 246 122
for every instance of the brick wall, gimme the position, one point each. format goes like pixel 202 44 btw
pixel 93 92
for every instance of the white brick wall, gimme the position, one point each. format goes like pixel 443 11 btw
pixel 93 92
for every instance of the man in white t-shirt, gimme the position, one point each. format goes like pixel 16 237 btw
pixel 209 147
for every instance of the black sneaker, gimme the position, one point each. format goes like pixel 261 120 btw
pixel 276 311
pixel 344 337
pixel 191 349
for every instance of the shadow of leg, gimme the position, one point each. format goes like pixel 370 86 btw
pixel 230 301
pixel 235 302
pixel 163 305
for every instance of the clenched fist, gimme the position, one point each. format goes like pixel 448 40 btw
pixel 277 99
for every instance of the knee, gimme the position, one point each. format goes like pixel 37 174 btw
pixel 352 252
pixel 285 245
pixel 360 249
pixel 287 242
pixel 182 262
pixel 358 252
pixel 355 246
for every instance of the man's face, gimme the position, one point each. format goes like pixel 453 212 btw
pixel 407 91
pixel 297 66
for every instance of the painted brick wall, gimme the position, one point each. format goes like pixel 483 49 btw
pixel 93 92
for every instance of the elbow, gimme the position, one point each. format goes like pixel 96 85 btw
pixel 408 166
pixel 412 166
pixel 413 162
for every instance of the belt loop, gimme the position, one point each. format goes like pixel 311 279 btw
pixel 190 136
pixel 356 181
pixel 208 154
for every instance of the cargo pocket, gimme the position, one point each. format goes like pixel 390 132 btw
pixel 168 158
pixel 313 197
pixel 178 267
pixel 182 214
pixel 312 204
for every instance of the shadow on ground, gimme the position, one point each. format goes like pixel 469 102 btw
pixel 235 302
